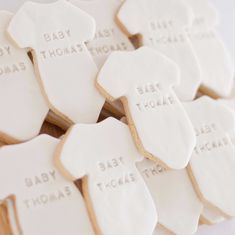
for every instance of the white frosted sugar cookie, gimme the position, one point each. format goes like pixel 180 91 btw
pixel 211 216
pixel 161 25
pixel 23 108
pixel 143 79
pixel 46 202
pixel 177 204
pixel 212 163
pixel 57 32
pixel 108 36
pixel 216 67
pixel 116 194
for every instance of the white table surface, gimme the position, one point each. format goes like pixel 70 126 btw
pixel 226 9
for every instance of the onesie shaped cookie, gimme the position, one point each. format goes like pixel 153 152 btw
pixel 23 108
pixel 143 79
pixel 161 25
pixel 212 164
pixel 45 201
pixel 56 32
pixel 177 204
pixel 216 68
pixel 108 37
pixel 115 192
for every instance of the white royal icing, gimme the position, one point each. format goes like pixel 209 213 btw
pixel 23 108
pixel 212 163
pixel 118 196
pixel 57 33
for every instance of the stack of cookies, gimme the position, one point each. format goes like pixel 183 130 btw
pixel 117 117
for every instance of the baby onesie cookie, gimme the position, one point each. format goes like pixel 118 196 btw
pixel 57 32
pixel 108 36
pixel 216 68
pixel 143 80
pixel 211 216
pixel 23 108
pixel 161 25
pixel 212 163
pixel 116 194
pixel 177 204
pixel 42 194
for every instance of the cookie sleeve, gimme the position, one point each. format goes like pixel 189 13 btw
pixel 84 25
pixel 129 16
pixel 21 28
pixel 71 157
pixel 111 80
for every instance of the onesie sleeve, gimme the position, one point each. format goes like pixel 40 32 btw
pixel 21 28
